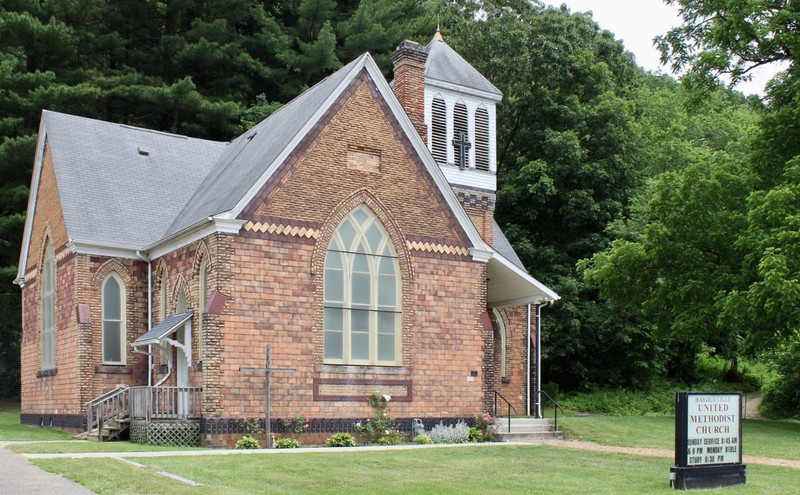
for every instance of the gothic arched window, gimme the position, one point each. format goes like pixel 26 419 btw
pixel 47 339
pixel 114 335
pixel 361 294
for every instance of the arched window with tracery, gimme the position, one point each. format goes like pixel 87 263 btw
pixel 362 303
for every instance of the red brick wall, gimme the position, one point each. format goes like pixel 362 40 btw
pixel 58 393
pixel 514 387
pixel 276 296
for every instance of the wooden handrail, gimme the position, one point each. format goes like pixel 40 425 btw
pixel 150 403
pixel 111 406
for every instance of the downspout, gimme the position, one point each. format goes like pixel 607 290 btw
pixel 528 366
pixel 539 358
pixel 149 314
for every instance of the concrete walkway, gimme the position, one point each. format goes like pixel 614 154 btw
pixel 19 477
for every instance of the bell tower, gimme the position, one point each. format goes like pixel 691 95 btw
pixel 461 121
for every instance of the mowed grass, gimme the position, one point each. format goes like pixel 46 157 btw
pixel 480 469
pixel 73 447
pixel 11 429
pixel 779 439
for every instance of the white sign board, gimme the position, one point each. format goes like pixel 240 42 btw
pixel 713 429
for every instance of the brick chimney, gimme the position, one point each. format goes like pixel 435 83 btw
pixel 409 82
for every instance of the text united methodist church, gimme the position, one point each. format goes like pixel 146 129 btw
pixel 352 230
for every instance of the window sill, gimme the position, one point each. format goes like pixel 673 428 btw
pixel 46 373
pixel 358 369
pixel 115 369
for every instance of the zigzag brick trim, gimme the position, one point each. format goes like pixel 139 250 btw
pixel 437 248
pixel 295 231
pixel 281 229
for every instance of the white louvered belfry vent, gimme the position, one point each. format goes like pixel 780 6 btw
pixel 439 130
pixel 482 139
pixel 460 124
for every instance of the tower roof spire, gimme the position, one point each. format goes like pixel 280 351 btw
pixel 438 35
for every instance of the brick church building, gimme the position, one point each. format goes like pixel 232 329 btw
pixel 352 230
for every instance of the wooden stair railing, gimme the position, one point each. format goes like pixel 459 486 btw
pixel 108 414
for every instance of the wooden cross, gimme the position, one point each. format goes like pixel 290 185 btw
pixel 463 146
pixel 268 370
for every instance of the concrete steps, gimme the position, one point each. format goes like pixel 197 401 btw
pixel 526 430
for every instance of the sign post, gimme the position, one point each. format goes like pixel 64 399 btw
pixel 708 441
pixel 268 370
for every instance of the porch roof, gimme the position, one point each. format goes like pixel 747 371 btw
pixel 164 328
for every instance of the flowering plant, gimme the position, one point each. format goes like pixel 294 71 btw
pixel 381 428
pixel 297 424
pixel 485 421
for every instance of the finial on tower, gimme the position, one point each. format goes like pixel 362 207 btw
pixel 438 35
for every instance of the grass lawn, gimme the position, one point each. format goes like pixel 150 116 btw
pixel 779 439
pixel 494 469
pixel 78 446
pixel 484 469
pixel 11 429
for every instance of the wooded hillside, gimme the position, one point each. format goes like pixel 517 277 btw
pixel 666 216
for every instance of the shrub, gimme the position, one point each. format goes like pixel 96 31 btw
pixel 622 402
pixel 782 392
pixel 475 435
pixel 485 423
pixel 287 443
pixel 423 440
pixel 247 442
pixel 457 433
pixel 341 440
pixel 391 439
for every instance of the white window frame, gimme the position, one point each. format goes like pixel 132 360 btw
pixel 123 334
pixel 375 309
pixel 47 334
pixel 501 330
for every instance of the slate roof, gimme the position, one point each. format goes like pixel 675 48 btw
pixel 112 194
pixel 444 64
pixel 164 328
pixel 250 155
pixel 502 246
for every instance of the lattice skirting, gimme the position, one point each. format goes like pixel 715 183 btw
pixel 172 433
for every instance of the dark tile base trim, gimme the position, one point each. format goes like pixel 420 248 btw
pixel 46 420
pixel 221 426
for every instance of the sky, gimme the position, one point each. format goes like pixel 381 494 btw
pixel 637 22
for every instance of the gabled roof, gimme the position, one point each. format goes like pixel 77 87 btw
pixel 444 65
pixel 121 185
pixel 164 328
pixel 250 155
pixel 138 189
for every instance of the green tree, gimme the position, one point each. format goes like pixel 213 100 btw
pixel 566 142
pixel 730 37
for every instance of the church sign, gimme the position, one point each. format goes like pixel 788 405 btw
pixel 708 440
